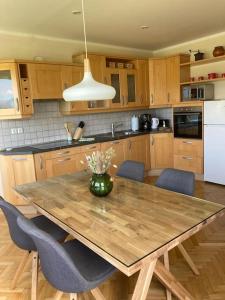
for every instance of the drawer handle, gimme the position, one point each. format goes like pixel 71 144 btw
pixel 41 162
pixel 187 142
pixel 19 158
pixel 65 159
pixel 115 142
pixel 187 157
pixel 93 147
pixel 62 153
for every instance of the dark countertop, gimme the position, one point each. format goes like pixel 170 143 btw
pixel 62 144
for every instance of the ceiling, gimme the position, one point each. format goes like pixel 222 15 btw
pixel 116 22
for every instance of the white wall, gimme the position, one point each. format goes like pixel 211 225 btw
pixel 24 46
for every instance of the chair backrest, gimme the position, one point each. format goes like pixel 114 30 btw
pixel 132 170
pixel 21 239
pixel 56 264
pixel 177 181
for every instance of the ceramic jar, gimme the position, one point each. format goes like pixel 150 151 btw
pixel 218 51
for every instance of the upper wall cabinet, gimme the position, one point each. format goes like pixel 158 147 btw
pixel 15 99
pixel 45 81
pixel 164 80
pixel 143 82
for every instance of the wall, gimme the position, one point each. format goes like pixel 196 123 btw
pixel 206 45
pixel 24 46
pixel 47 124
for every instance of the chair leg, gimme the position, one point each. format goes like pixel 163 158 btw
pixel 19 270
pixel 167 266
pixel 58 295
pixel 188 259
pixel 97 294
pixel 73 297
pixel 35 263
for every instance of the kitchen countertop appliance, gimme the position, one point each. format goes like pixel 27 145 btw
pixel 188 122
pixel 145 122
pixel 164 123
pixel 155 123
pixel 214 141
pixel 134 123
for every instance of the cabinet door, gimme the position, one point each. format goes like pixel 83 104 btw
pixel 120 148
pixel 161 150
pixel 143 83
pixel 85 150
pixel 173 79
pixel 9 90
pixel 45 80
pixel 157 82
pixel 16 170
pixel 130 88
pixel 138 149
pixel 114 78
pixel 61 166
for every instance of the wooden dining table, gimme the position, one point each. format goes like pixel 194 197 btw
pixel 131 228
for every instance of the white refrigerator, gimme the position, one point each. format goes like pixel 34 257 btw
pixel 214 141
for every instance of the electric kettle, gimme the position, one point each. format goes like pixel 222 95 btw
pixel 155 123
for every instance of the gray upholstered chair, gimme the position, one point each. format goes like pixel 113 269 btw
pixel 70 267
pixel 132 170
pixel 177 181
pixel 23 241
pixel 181 182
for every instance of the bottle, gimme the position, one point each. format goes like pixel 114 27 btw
pixel 78 133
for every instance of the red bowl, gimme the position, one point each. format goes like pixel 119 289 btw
pixel 212 75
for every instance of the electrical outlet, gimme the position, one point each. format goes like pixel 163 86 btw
pixel 13 130
pixel 20 130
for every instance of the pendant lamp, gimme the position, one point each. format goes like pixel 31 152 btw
pixel 88 89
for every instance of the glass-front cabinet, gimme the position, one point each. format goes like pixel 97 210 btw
pixel 9 90
pixel 124 82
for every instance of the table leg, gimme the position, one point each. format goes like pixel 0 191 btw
pixel 167 265
pixel 188 259
pixel 143 281
pixel 171 283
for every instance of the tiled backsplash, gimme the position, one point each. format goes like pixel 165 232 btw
pixel 47 124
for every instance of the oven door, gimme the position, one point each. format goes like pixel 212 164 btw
pixel 188 125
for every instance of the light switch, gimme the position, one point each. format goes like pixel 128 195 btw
pixel 20 130
pixel 13 130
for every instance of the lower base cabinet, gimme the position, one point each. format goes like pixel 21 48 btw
pixel 161 150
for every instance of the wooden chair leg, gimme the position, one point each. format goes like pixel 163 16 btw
pixel 97 294
pixel 19 270
pixel 167 266
pixel 34 283
pixel 188 259
pixel 73 297
pixel 58 295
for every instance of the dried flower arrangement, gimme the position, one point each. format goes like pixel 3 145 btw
pixel 100 161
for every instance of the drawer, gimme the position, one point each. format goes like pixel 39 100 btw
pixel 60 153
pixel 188 147
pixel 189 163
pixel 88 148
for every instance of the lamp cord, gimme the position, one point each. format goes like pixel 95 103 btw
pixel 84 27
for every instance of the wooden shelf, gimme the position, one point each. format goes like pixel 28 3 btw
pixel 203 81
pixel 204 61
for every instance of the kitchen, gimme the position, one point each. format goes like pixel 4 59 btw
pixel 168 102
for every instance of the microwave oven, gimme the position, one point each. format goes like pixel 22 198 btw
pixel 198 92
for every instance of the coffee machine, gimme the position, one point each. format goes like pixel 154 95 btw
pixel 145 122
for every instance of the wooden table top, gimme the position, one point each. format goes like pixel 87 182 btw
pixel 132 223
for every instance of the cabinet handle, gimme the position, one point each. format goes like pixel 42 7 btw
pixel 187 157
pixel 152 98
pixel 168 97
pixel 130 144
pixel 19 158
pixel 115 142
pixel 65 86
pixel 17 104
pixel 92 147
pixel 153 141
pixel 141 99
pixel 65 159
pixel 105 79
pixel 62 153
pixel 123 102
pixel 187 142
pixel 41 162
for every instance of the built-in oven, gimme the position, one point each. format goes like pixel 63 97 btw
pixel 188 122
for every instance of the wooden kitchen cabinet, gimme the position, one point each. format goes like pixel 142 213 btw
pixel 16 170
pixel 161 150
pixel 173 79
pixel 143 83
pixel 45 81
pixel 120 147
pixel 15 99
pixel 188 155
pixel 138 149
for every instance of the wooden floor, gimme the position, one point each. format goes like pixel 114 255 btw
pixel 207 250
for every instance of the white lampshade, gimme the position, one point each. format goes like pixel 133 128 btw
pixel 89 89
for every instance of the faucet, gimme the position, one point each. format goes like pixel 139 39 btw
pixel 114 126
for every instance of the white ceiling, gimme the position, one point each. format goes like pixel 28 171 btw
pixel 117 22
